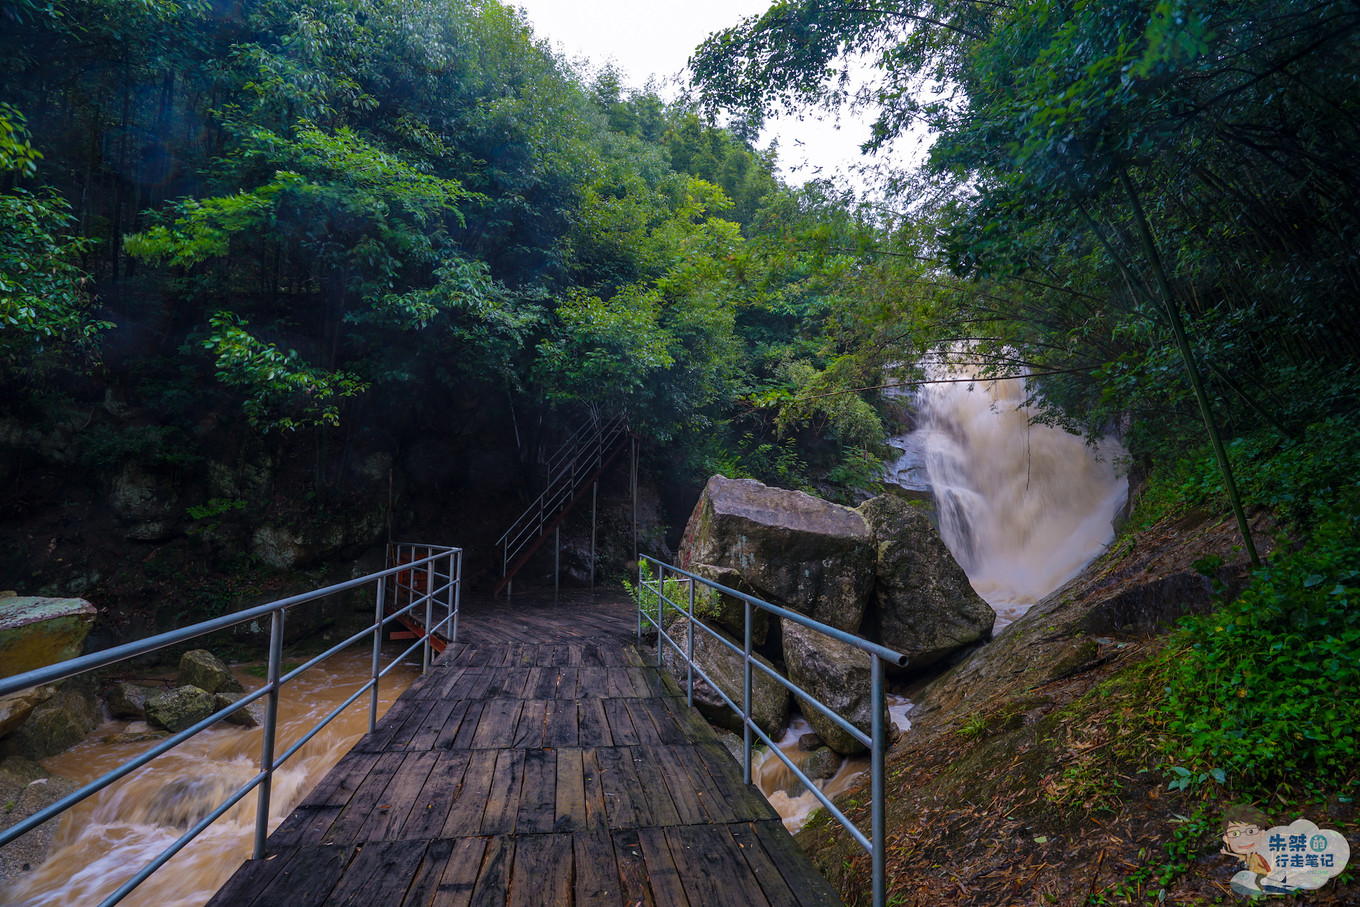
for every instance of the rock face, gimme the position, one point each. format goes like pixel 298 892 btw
pixel 250 716
pixel 179 708
pixel 769 700
pixel 789 548
pixel 37 632
pixel 146 502
pixel 204 670
pixel 922 605
pixel 838 675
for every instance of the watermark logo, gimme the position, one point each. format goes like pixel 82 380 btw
pixel 1280 859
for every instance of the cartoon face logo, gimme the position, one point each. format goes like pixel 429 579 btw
pixel 1243 838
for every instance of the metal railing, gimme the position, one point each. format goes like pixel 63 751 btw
pixel 569 468
pixel 876 740
pixel 414 581
pixel 426 567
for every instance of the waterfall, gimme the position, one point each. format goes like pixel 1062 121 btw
pixel 1022 506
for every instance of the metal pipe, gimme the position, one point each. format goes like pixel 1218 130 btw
pixel 594 497
pixel 746 702
pixel 689 650
pixel 456 563
pixel 876 781
pixel 429 618
pixel 557 561
pixel 271 724
pixel 377 655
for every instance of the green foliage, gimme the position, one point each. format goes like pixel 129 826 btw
pixel 281 391
pixel 1270 689
pixel 676 593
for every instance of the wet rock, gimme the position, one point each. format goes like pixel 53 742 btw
pixel 728 612
pixel 128 700
pixel 790 548
pixel 56 724
pixel 810 742
pixel 37 632
pixel 179 708
pixel 201 668
pixel 769 700
pixel 838 676
pixel 822 763
pixel 922 604
pixel 15 709
pixel 250 716
pixel 290 547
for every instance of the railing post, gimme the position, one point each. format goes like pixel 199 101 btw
pixel 429 615
pixel 455 591
pixel 746 702
pixel 641 598
pixel 594 497
pixel 271 723
pixel 660 607
pixel 557 561
pixel 876 698
pixel 689 650
pixel 377 654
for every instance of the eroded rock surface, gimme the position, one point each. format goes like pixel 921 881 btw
pixel 769 700
pixel 790 548
pixel 922 605
pixel 201 668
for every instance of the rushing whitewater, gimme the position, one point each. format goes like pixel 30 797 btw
pixel 1022 506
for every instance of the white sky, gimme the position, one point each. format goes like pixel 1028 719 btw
pixel 647 37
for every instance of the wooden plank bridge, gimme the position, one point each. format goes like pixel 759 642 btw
pixel 539 762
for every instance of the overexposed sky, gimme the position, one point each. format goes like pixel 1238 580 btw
pixel 652 38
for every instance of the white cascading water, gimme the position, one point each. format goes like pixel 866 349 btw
pixel 1022 506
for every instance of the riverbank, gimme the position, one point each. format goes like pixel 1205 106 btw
pixel 1035 772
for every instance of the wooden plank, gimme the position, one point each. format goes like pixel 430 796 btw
pixel 469 802
pixel 637 892
pixel 529 731
pixel 660 806
pixel 713 871
pixel 643 726
pixel 667 726
pixel 376 740
pixel 542 871
pixel 496 728
pixel 620 723
pixel 592 681
pixel 448 875
pixel 538 793
pixel 592 723
pixel 624 798
pixel 667 886
pixel 687 796
pixel 388 817
pixel 568 679
pixel 559 724
pixel 493 881
pixel 597 870
pixel 597 813
pixel 745 802
pixel 569 795
pixel 252 876
pixel 467 728
pixel 458 716
pixel 771 881
pixel 502 802
pixel 381 873
pixel 794 866
pixel 305 880
pixel 366 797
pixel 427 726
pixel 430 808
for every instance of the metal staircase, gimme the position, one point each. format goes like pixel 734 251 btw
pixel 573 470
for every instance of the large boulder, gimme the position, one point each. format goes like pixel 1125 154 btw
pixel 201 668
pixel 55 724
pixel 838 676
pixel 250 716
pixel 769 699
pixel 789 548
pixel 128 700
pixel 180 708
pixel 15 708
pixel 922 604
pixel 147 502
pixel 37 632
